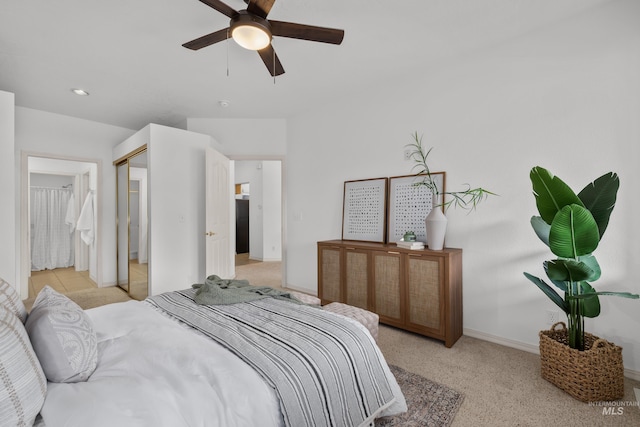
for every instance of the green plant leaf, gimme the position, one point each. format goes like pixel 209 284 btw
pixel 548 291
pixel 567 270
pixel 560 284
pixel 573 232
pixel 590 305
pixel 615 294
pixel 591 261
pixel 600 198
pixel 541 228
pixel 551 193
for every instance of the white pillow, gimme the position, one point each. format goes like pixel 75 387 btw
pixel 10 298
pixel 63 337
pixel 23 382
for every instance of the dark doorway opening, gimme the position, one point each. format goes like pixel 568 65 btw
pixel 242 226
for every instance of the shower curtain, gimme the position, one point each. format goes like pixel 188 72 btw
pixel 51 237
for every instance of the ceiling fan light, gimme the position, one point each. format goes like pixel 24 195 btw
pixel 251 37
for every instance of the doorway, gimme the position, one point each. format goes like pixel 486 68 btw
pixel 59 188
pixel 259 184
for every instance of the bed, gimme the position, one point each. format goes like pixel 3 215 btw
pixel 168 361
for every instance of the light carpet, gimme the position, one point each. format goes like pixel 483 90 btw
pixel 429 404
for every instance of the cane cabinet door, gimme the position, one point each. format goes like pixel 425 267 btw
pixel 387 286
pixel 425 296
pixel 330 273
pixel 356 277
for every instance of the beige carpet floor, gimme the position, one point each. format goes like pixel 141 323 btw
pixel 258 273
pixel 502 386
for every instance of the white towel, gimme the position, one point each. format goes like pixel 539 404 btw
pixel 85 221
pixel 70 217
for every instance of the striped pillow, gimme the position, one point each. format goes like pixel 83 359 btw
pixel 23 385
pixel 10 298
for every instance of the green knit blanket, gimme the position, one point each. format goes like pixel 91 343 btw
pixel 217 291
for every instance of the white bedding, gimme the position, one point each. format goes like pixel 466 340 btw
pixel 153 371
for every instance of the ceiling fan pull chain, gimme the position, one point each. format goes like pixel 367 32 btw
pixel 227 43
pixel 274 63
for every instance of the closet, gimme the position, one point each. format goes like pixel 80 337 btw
pixel 175 241
pixel 132 223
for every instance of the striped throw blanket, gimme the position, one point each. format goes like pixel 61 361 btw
pixel 325 371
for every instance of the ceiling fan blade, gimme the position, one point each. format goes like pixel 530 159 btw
pixel 260 7
pixel 221 7
pixel 207 40
pixel 306 32
pixel 271 60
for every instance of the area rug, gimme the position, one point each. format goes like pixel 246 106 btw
pixel 429 403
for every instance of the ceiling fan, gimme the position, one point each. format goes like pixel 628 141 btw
pixel 251 29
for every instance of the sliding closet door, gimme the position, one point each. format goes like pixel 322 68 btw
pixel 138 225
pixel 132 224
pixel 122 224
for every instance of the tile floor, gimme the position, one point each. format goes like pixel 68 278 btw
pixel 60 279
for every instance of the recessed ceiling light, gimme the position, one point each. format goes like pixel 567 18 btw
pixel 80 92
pixel 224 103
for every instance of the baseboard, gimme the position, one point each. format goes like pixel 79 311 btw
pixel 252 258
pixel 629 373
pixel 502 341
pixel 304 291
pixel 107 284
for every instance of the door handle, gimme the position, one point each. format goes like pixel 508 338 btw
pixel 210 233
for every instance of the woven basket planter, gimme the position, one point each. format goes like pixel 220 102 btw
pixel 595 374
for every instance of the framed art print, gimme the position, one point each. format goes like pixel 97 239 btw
pixel 409 205
pixel 364 210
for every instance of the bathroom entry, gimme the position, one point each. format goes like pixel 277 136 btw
pixel 56 191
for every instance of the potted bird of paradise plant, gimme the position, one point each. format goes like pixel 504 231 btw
pixel 572 225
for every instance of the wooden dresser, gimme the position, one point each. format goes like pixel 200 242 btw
pixel 415 290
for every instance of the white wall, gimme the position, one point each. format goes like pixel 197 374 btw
pixel 566 98
pixel 63 136
pixel 9 261
pixel 272 210
pixel 238 137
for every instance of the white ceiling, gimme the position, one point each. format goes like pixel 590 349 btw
pixel 128 53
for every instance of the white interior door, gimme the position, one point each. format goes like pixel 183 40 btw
pixel 219 196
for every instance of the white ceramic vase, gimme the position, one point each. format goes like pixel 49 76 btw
pixel 436 223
